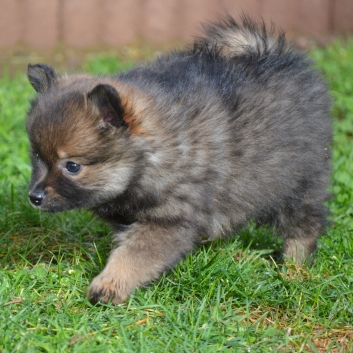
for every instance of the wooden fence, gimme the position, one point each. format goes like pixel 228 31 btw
pixel 42 24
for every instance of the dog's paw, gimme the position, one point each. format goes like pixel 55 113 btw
pixel 105 289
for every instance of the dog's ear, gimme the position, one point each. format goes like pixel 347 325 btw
pixel 41 77
pixel 107 100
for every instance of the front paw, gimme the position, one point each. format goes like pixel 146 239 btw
pixel 106 289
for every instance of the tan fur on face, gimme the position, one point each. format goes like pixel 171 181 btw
pixel 62 154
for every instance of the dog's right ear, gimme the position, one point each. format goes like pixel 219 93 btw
pixel 41 77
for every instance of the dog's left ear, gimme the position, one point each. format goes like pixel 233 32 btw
pixel 107 100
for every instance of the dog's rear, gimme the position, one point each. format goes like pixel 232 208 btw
pixel 300 215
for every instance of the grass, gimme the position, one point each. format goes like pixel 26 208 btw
pixel 227 296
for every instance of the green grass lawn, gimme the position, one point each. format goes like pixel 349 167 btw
pixel 227 296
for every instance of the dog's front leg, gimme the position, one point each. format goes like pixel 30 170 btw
pixel 144 252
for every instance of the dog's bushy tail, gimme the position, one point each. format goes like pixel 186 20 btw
pixel 230 38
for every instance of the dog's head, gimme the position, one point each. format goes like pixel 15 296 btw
pixel 81 147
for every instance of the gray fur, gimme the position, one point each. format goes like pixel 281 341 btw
pixel 188 147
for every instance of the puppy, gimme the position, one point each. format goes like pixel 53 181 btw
pixel 186 148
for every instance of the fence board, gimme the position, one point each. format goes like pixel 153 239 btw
pixel 81 22
pixel 120 21
pixel 42 23
pixel 159 22
pixel 195 12
pixel 249 7
pixel 342 16
pixel 10 20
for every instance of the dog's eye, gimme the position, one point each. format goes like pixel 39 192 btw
pixel 73 167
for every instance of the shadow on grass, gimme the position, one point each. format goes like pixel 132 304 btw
pixel 30 236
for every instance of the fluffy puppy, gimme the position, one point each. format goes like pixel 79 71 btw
pixel 185 148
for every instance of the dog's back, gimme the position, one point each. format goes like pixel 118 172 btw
pixel 243 131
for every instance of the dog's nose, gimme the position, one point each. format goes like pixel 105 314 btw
pixel 36 197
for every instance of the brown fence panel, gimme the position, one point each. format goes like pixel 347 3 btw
pixel 313 17
pixel 120 21
pixel 248 7
pixel 195 12
pixel 10 19
pixel 343 16
pixel 282 13
pixel 40 23
pixel 77 23
pixel 159 20
pixel 81 22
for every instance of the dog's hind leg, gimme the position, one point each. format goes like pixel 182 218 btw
pixel 300 227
